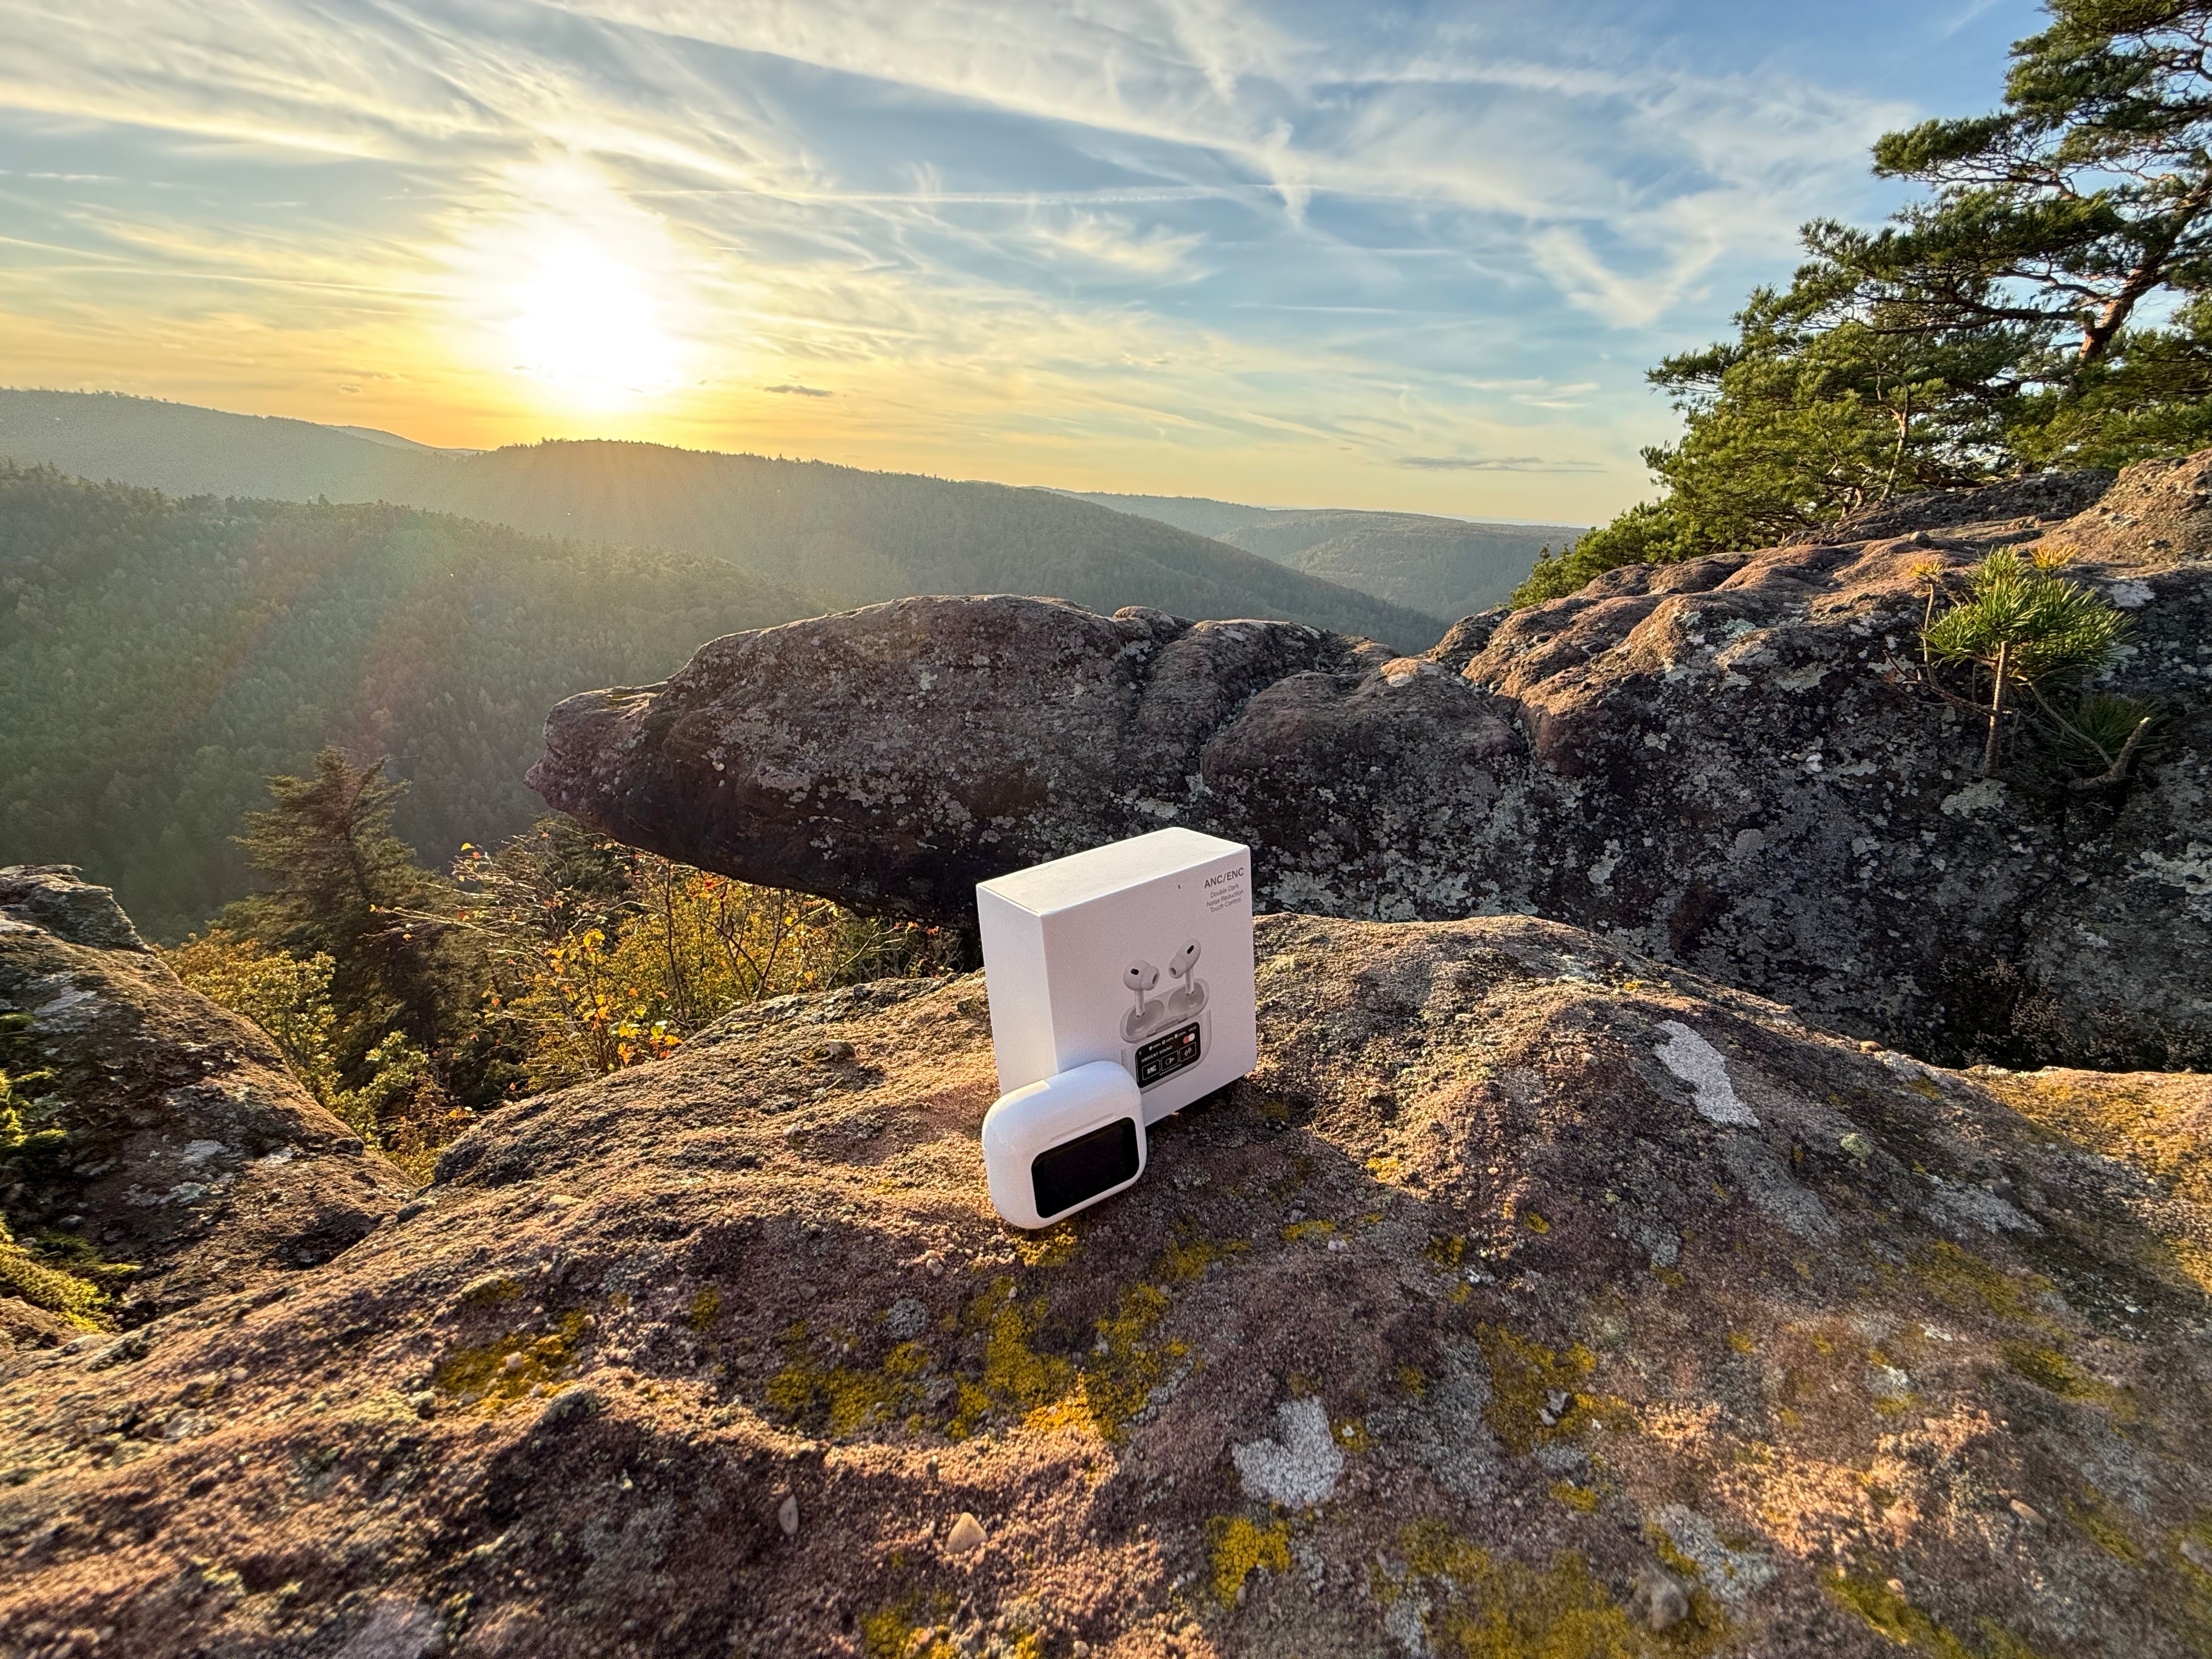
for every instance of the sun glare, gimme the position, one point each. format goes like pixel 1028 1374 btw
pixel 587 322
pixel 582 296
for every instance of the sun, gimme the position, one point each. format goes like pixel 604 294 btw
pixel 583 300
pixel 589 324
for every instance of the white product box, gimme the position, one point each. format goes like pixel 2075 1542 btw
pixel 1139 952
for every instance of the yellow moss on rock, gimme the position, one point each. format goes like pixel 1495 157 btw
pixel 1016 1377
pixel 1963 1281
pixel 1055 1247
pixel 498 1373
pixel 2094 1514
pixel 1524 1378
pixel 905 1630
pixel 1098 1393
pixel 1190 1255
pixel 1127 1366
pixel 2049 1369
pixel 1235 1546
pixel 77 1288
pixel 1886 1611
pixel 844 1399
pixel 1499 1609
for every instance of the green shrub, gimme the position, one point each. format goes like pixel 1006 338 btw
pixel 2027 629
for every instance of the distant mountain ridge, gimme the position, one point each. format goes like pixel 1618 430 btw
pixel 1444 567
pixel 852 537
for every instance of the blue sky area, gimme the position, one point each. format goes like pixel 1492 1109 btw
pixel 1394 256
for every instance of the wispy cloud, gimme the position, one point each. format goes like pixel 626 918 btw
pixel 1157 253
pixel 1495 464
pixel 1217 246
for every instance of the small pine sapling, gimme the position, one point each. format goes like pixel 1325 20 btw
pixel 2028 629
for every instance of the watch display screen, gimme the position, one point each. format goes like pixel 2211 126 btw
pixel 1066 1175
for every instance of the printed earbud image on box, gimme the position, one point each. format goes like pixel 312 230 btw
pixel 1138 953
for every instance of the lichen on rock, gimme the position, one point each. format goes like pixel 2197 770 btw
pixel 1729 764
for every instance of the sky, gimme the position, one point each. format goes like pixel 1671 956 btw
pixel 1413 257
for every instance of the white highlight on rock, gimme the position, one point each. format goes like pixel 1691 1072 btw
pixel 1698 1064
pixel 68 997
pixel 2129 595
pixel 1730 1574
pixel 1980 796
pixel 1299 1470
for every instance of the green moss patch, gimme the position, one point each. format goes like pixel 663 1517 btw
pixel 499 1373
pixel 1494 1608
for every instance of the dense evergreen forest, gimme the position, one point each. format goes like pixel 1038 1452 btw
pixel 851 536
pixel 161 659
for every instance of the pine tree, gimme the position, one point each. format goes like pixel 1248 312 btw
pixel 2026 628
pixel 342 885
pixel 2047 302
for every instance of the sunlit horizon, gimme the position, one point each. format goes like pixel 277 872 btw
pixel 1419 262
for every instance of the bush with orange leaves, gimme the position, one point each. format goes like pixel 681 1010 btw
pixel 607 957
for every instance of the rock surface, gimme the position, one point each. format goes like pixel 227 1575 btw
pixel 191 1154
pixel 1467 1269
pixel 1725 762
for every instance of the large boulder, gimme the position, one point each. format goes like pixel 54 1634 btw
pixel 185 1154
pixel 1728 763
pixel 1529 1293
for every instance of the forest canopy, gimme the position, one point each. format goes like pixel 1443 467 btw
pixel 161 659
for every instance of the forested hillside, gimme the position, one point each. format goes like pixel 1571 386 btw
pixel 204 452
pixel 160 658
pixel 1442 566
pixel 852 537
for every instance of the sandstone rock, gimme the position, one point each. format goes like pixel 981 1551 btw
pixel 2156 514
pixel 191 1153
pixel 1521 1403
pixel 50 895
pixel 966 1536
pixel 1659 1599
pixel 902 753
pixel 1723 763
pixel 2039 499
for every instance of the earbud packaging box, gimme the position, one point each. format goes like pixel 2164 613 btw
pixel 1139 952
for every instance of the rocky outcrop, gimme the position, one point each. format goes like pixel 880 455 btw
pixel 1528 1294
pixel 1725 763
pixel 2026 505
pixel 896 755
pixel 189 1155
